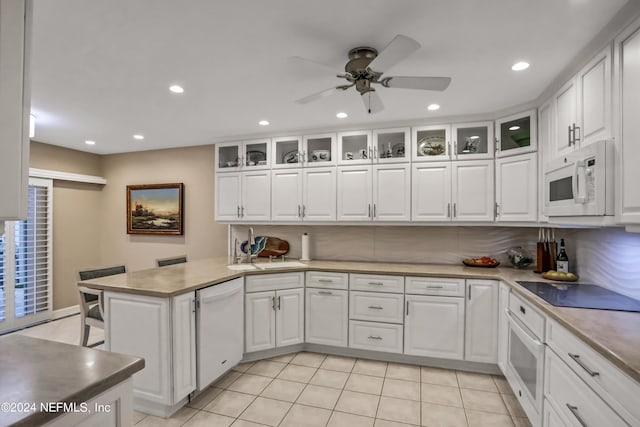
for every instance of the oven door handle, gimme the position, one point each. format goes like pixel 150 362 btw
pixel 522 330
pixel 580 164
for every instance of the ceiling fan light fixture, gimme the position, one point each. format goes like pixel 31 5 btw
pixel 176 89
pixel 519 66
pixel 263 123
pixel 433 107
pixel 342 115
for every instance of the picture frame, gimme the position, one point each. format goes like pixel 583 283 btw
pixel 155 209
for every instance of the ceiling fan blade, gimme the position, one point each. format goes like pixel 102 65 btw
pixel 316 96
pixel 397 50
pixel 372 102
pixel 423 83
pixel 308 64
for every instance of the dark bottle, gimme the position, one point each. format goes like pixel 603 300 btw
pixel 562 262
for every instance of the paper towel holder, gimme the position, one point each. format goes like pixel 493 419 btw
pixel 305 248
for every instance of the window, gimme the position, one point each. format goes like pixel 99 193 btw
pixel 25 262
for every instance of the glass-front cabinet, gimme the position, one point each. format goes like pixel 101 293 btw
pixel 431 143
pixel 319 150
pixel 287 152
pixel 472 141
pixel 516 134
pixel 391 145
pixel 243 155
pixel 354 148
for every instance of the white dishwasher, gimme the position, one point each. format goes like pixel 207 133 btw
pixel 220 330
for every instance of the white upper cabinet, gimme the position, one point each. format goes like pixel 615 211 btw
pixel 517 188
pixel 319 194
pixel 516 134
pixel 228 196
pixel 319 150
pixel 472 141
pixel 354 193
pixel 472 190
pixel 243 196
pixel 391 192
pixel 431 191
pixel 287 152
pixel 431 143
pixel 391 145
pixel 286 195
pixel 15 30
pixel 565 107
pixel 355 148
pixel 244 155
pixel 627 60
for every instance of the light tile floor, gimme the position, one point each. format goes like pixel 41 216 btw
pixel 311 389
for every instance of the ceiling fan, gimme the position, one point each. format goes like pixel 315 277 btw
pixel 366 68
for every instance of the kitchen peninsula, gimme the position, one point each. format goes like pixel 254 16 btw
pixel 156 310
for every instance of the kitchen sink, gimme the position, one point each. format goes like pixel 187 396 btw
pixel 241 267
pixel 279 264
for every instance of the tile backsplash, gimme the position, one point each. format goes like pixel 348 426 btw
pixel 609 257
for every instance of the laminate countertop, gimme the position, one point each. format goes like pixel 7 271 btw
pixel 35 371
pixel 613 334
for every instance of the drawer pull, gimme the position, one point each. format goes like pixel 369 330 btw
pixel 435 287
pixel 574 411
pixel 376 283
pixel 576 358
pixel 522 310
pixel 372 337
pixel 325 280
pixel 375 307
pixel 325 293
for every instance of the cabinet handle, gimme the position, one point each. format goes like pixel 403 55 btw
pixel 434 287
pixel 376 283
pixel 242 211
pixel 576 138
pixel 407 308
pixel 325 292
pixel 375 152
pixel 469 292
pixel 574 411
pixel 372 337
pixel 497 210
pixel 304 208
pixel 576 359
pixel 279 302
pixel 448 210
pixel 273 303
pixel 369 208
pixel 325 280
pixel 522 310
pixel 454 210
pixel 497 142
pixel 299 215
pixel 569 137
pixel 238 213
pixel 374 210
pixel 375 307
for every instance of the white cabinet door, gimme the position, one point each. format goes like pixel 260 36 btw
pixel 431 143
pixel 628 87
pixel 183 320
pixel 15 29
pixel 256 196
pixel 354 193
pixel 431 192
pixel 517 188
pixel 228 196
pixel 481 338
pixel 392 192
pixel 594 99
pixel 355 148
pixel 289 317
pixel 472 190
pixel 228 156
pixel 503 326
pixel 260 321
pixel 326 317
pixel 286 195
pixel 565 106
pixel 319 194
pixel 434 326
pixel 516 134
pixel 551 418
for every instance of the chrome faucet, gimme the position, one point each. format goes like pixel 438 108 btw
pixel 251 241
pixel 236 258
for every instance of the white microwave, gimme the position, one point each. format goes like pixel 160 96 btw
pixel 581 183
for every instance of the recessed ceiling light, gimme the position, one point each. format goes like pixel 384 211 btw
pixel 342 115
pixel 433 107
pixel 474 137
pixel 519 66
pixel 176 89
pixel 138 137
pixel 263 123
pixel 89 142
pixel 514 128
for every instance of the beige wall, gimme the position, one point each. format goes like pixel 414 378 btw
pixel 193 166
pixel 76 223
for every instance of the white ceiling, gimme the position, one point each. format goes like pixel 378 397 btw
pixel 101 68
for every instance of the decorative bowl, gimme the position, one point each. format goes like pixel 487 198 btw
pixel 519 257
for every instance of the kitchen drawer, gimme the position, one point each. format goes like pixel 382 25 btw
pixel 375 336
pixel 376 307
pixel 615 387
pixel 573 399
pixel 327 280
pixel 376 283
pixel 273 282
pixel 435 286
pixel 531 318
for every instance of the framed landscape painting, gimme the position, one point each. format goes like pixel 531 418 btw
pixel 155 209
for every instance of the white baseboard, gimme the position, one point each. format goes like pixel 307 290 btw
pixel 64 312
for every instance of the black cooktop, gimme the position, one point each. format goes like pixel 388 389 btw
pixel 582 296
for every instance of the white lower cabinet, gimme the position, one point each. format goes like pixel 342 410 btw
pixel 434 326
pixel 550 417
pixel 375 336
pixel 274 319
pixel 481 338
pixel 503 326
pixel 327 316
